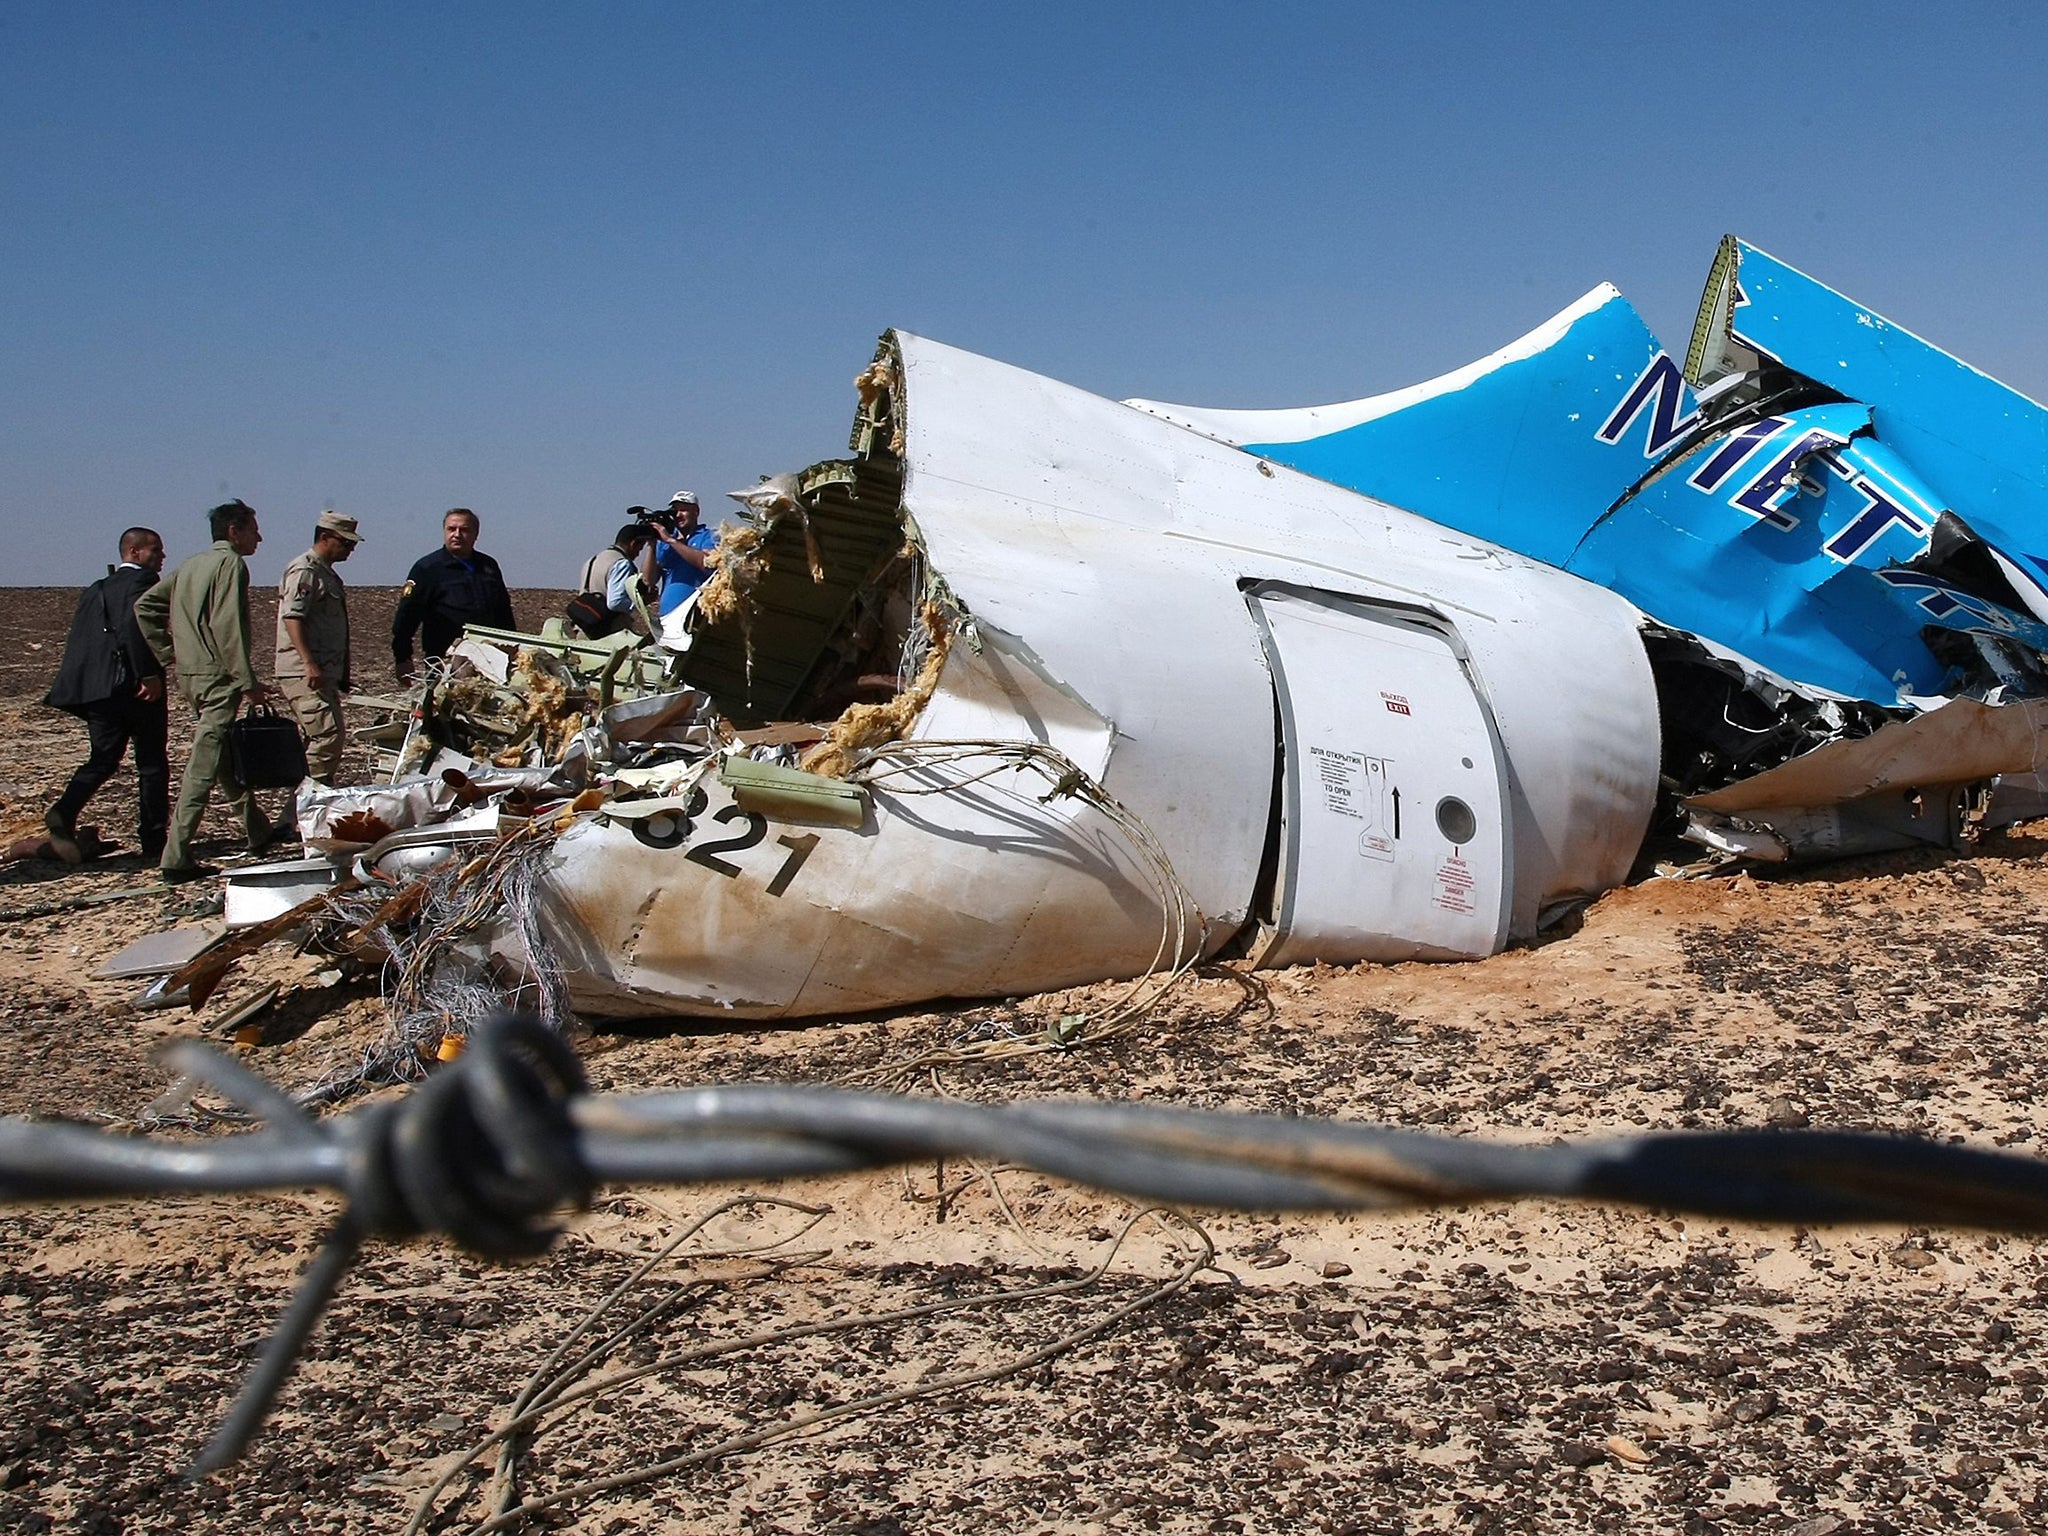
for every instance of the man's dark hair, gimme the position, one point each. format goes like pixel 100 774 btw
pixel 228 516
pixel 630 537
pixel 462 512
pixel 131 539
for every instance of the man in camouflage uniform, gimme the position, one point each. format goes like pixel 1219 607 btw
pixel 312 641
pixel 198 621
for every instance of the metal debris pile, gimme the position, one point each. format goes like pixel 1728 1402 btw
pixel 430 875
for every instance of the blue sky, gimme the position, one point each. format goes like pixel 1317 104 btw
pixel 548 260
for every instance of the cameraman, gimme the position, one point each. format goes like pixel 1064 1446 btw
pixel 682 556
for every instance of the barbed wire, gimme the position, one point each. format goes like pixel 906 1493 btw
pixel 488 1149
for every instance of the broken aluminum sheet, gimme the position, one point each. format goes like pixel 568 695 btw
pixel 258 892
pixel 1102 559
pixel 2017 797
pixel 159 954
pixel 350 817
pixel 1919 780
pixel 490 661
pixel 1117 548
pixel 961 880
pixel 1981 446
pixel 1880 824
pixel 1963 741
pixel 1790 514
pixel 659 717
pixel 415 851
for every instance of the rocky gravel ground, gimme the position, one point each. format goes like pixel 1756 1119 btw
pixel 1532 1367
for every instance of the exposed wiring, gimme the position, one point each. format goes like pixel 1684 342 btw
pixel 433 991
pixel 898 766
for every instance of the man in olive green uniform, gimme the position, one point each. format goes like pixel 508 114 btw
pixel 197 620
pixel 312 641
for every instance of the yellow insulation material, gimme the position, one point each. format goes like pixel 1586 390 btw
pixel 741 560
pixel 555 717
pixel 480 703
pixel 739 563
pixel 874 383
pixel 546 695
pixel 862 726
pixel 878 381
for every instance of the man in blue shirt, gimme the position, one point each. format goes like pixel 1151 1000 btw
pixel 682 554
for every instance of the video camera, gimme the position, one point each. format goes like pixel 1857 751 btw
pixel 664 519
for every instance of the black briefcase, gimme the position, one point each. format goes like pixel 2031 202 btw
pixel 266 751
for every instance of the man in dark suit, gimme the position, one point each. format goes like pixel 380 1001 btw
pixel 115 685
pixel 458 584
pixel 110 679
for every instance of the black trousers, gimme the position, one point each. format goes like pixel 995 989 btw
pixel 112 726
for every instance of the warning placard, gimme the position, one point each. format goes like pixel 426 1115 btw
pixel 1454 885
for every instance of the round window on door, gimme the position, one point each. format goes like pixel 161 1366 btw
pixel 1455 820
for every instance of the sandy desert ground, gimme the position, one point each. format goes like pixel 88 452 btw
pixel 1536 1367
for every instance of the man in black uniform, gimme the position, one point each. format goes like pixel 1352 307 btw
pixel 113 682
pixel 457 584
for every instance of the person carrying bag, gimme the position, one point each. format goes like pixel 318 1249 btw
pixel 266 750
pixel 197 619
pixel 610 594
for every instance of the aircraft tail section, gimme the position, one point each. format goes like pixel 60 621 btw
pixel 1528 447
pixel 1981 446
pixel 1814 488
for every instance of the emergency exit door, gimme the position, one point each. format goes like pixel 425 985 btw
pixel 1394 841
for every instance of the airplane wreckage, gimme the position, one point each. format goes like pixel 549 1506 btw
pixel 1036 688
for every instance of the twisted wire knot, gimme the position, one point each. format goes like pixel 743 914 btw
pixel 482 1151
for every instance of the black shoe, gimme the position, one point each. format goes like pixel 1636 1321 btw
pixel 271 834
pixel 63 836
pixel 180 874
